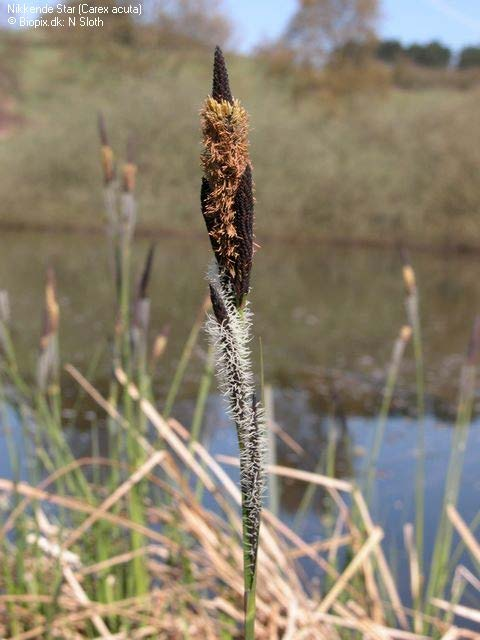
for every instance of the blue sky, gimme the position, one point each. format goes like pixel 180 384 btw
pixel 455 22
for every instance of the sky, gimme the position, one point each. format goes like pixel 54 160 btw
pixel 454 22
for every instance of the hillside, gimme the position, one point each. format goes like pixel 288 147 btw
pixel 400 166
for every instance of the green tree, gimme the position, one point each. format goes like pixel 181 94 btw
pixel 389 51
pixel 320 27
pixel 469 57
pixel 433 54
pixel 187 22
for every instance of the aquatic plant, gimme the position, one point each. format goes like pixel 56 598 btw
pixel 48 361
pixel 228 209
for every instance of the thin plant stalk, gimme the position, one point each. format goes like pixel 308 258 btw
pixel 392 376
pixel 413 315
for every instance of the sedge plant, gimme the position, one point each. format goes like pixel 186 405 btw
pixel 413 315
pixel 228 209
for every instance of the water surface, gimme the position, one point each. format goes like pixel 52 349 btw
pixel 327 318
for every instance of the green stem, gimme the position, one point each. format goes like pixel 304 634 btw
pixel 443 542
pixel 250 607
pixel 420 470
pixel 388 392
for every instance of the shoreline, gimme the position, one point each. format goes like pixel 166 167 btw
pixel 299 240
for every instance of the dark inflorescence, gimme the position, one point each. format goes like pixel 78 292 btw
pixel 227 199
pixel 221 84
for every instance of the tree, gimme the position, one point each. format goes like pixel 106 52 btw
pixel 433 54
pixel 469 57
pixel 319 27
pixel 389 51
pixel 187 22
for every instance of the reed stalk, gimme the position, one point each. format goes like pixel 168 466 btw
pixel 413 315
pixel 392 376
pixel 443 541
pixel 131 329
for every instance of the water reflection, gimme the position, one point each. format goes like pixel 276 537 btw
pixel 327 318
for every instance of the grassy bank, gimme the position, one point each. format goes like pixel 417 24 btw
pixel 403 165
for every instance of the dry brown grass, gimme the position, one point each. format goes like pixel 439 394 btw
pixel 361 601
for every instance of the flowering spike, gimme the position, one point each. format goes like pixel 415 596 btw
pixel 221 85
pixel 227 206
pixel 227 187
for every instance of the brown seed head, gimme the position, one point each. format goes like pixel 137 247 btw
pixel 106 151
pixel 107 164
pixel 159 346
pixel 52 310
pixel 409 278
pixel 129 174
pixel 227 186
pixel 405 333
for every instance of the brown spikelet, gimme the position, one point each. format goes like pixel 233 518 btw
pixel 227 186
pixel 107 164
pixel 52 312
pixel 129 172
pixel 205 195
pixel 106 151
pixel 160 344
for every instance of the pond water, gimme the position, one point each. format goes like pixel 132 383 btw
pixel 327 318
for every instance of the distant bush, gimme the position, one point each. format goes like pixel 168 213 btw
pixel 389 51
pixel 407 75
pixel 320 27
pixel 186 23
pixel 469 57
pixel 168 24
pixel 12 51
pixel 352 69
pixel 433 54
